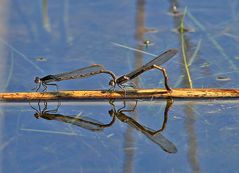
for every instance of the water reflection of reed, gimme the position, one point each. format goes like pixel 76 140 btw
pixel 119 114
pixel 187 54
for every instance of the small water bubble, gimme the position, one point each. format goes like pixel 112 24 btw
pixel 174 11
pixel 147 43
pixel 205 65
pixel 41 59
pixel 223 78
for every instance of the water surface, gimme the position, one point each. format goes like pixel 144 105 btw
pixel 49 37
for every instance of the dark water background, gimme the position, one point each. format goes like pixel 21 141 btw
pixel 38 38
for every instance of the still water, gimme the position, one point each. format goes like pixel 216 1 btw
pixel 38 38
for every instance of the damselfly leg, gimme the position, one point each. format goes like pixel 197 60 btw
pixel 46 85
pixel 164 74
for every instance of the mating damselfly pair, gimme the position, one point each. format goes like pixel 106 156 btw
pixel 98 69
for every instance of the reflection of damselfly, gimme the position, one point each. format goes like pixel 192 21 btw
pixel 78 120
pixel 154 135
pixel 95 125
pixel 97 69
pixel 79 73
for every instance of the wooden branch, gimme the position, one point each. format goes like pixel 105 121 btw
pixel 186 93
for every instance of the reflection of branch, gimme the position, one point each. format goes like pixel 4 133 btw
pixel 193 93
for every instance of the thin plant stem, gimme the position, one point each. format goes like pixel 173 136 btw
pixel 184 51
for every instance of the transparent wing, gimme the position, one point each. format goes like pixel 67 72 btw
pixel 79 73
pixel 162 58
pixel 84 122
pixel 159 60
pixel 163 142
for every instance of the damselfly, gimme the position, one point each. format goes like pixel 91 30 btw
pixel 153 64
pixel 79 73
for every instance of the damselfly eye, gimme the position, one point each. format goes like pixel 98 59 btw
pixel 112 83
pixel 111 112
pixel 37 115
pixel 37 80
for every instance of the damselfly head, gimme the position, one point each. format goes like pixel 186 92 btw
pixel 37 80
pixel 112 83
pixel 111 112
pixel 37 115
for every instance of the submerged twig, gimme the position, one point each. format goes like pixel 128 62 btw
pixel 214 42
pixel 183 93
pixel 195 53
pixel 131 48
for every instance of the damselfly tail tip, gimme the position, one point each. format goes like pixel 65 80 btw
pixel 173 50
